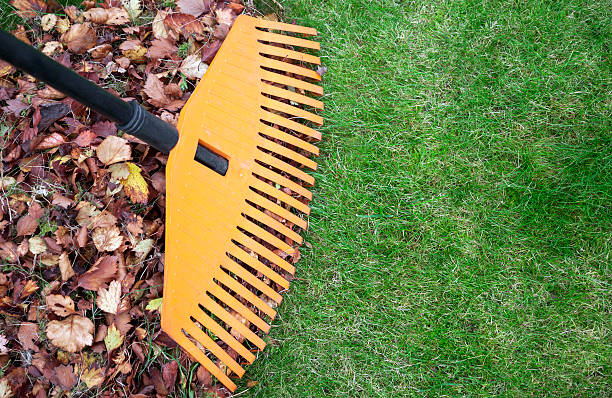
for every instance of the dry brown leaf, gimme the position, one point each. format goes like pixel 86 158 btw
pixel 27 335
pixel 48 21
pixel 27 224
pixel 65 267
pixel 159 29
pixel 194 7
pixel 60 305
pixel 86 214
pixel 101 272
pixel 99 52
pixel 109 299
pixel 161 48
pixel 51 47
pixel 107 16
pixel 51 141
pixel 184 24
pixel 66 377
pixel 62 25
pixel 113 150
pixel 80 38
pixel 29 8
pixel 72 333
pixel 107 238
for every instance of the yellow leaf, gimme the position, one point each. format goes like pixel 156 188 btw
pixel 135 185
pixel 154 304
pixel 113 338
pixel 92 378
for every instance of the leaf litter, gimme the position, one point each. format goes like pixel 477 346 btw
pixel 82 209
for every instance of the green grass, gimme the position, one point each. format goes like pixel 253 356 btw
pixel 461 224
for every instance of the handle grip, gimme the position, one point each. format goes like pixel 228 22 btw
pixel 129 116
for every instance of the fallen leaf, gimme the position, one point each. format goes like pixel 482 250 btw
pixel 6 182
pixel 107 16
pixel 184 24
pixel 72 333
pixel 225 16
pixel 169 372
pixel 109 299
pixel 144 247
pixel 134 50
pixel 135 185
pixel 3 343
pixel 193 67
pixel 5 389
pixel 29 287
pixel 107 238
pixel 133 7
pixel 27 224
pixel 159 29
pixel 37 245
pixel 27 335
pixel 51 47
pixel 66 377
pixel 80 38
pixel 204 376
pixel 65 267
pixel 51 141
pixel 84 138
pixel 48 21
pixel 29 8
pixel 92 377
pixel 113 338
pixel 154 305
pixel 100 51
pixel 86 213
pixel 60 305
pixel 101 272
pixel 161 48
pixel 113 150
pixel 50 113
pixel 62 25
pixel 194 7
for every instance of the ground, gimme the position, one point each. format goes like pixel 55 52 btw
pixel 459 240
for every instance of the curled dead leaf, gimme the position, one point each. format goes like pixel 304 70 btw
pixel 80 38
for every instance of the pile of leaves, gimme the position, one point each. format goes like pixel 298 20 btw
pixel 82 209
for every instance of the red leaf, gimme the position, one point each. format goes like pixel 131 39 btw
pixel 100 273
pixel 51 141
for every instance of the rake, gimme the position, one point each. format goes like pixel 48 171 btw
pixel 236 191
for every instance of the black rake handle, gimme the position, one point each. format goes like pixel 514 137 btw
pixel 129 116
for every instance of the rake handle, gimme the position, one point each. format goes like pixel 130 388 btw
pixel 129 116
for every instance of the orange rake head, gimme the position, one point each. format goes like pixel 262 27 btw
pixel 228 237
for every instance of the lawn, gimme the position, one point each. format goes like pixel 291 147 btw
pixel 461 224
pixel 459 240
